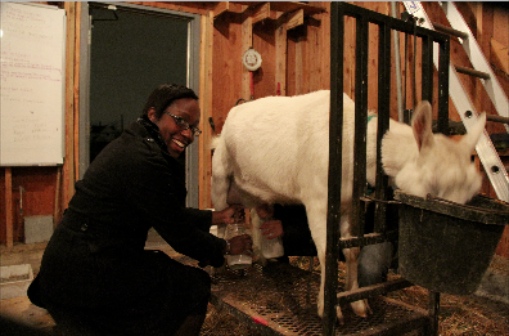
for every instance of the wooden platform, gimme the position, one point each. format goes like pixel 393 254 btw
pixel 280 299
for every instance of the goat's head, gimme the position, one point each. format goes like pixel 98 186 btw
pixel 443 167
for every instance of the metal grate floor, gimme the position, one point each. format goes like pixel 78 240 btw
pixel 280 299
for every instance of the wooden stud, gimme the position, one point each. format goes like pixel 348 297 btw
pixel 281 59
pixel 205 155
pixel 57 213
pixel 299 76
pixel 68 167
pixel 9 238
pixel 76 93
pixel 247 42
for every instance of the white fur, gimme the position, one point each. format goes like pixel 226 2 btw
pixel 275 150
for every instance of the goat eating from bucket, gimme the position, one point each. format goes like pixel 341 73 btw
pixel 276 150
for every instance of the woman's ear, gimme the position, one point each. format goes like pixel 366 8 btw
pixel 151 114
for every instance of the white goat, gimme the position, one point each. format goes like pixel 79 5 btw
pixel 276 150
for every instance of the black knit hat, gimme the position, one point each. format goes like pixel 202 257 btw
pixel 164 95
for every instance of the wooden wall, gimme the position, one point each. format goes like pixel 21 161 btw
pixel 293 39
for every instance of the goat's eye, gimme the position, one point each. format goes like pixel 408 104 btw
pixel 472 158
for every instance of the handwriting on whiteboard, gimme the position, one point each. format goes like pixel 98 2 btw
pixel 31 84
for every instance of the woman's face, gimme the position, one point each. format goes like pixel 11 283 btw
pixel 174 121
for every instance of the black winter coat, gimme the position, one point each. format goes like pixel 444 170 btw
pixel 95 263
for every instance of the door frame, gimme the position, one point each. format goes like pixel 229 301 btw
pixel 192 81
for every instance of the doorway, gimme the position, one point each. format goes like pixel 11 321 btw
pixel 132 50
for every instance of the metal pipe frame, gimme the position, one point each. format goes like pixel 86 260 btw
pixel 386 24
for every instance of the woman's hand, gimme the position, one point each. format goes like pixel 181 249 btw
pixel 242 244
pixel 272 228
pixel 230 215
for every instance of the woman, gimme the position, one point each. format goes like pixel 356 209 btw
pixel 95 275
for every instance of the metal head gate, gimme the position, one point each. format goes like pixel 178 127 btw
pixel 367 24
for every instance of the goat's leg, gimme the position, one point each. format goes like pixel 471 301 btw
pixel 321 293
pixel 257 238
pixel 361 307
pixel 317 225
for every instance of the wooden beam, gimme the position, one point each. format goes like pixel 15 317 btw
pixel 287 7
pixel 9 218
pixel 221 8
pixel 228 7
pixel 295 19
pixel 206 82
pixel 261 13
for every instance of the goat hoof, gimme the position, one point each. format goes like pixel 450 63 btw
pixel 320 309
pixel 361 308
pixel 339 315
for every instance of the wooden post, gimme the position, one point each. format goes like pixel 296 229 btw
pixel 56 206
pixel 9 238
pixel 281 59
pixel 247 42
pixel 68 172
pixel 206 83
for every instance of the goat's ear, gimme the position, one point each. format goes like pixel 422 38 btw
pixel 473 135
pixel 421 125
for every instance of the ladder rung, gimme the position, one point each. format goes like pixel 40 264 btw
pixel 498 119
pixel 450 31
pixel 472 72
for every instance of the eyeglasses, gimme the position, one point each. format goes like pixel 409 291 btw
pixel 184 125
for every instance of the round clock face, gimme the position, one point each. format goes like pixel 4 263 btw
pixel 252 59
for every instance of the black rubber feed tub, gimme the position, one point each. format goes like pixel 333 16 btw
pixel 445 246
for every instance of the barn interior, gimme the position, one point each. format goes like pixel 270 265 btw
pixel 206 45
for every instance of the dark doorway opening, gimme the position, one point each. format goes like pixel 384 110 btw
pixel 132 52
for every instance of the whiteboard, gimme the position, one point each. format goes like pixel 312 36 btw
pixel 32 79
